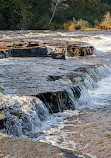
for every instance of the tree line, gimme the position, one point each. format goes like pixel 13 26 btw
pixel 51 14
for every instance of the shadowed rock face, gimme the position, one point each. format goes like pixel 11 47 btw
pixel 58 55
pixel 2 120
pixel 32 52
pixel 59 101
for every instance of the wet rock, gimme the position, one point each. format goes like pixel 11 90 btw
pixel 32 44
pixel 79 50
pixel 31 52
pixel 2 119
pixel 60 101
pixel 53 49
pixel 60 50
pixel 19 44
pixel 22 147
pixel 54 77
pixel 4 53
pixel 58 55
pixel 57 50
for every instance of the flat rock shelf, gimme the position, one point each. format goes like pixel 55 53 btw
pixel 45 49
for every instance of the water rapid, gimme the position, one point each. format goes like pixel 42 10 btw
pixel 76 117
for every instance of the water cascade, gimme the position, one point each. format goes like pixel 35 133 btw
pixel 27 114
pixel 24 114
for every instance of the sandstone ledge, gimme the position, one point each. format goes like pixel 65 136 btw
pixel 25 148
pixel 45 49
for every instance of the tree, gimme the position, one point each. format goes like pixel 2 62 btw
pixel 55 6
pixel 12 12
pixel 35 14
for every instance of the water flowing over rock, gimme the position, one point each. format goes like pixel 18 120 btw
pixel 59 101
pixel 24 115
pixel 50 100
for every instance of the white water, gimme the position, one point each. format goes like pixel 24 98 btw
pixel 101 41
pixel 101 97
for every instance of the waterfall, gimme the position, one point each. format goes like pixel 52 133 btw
pixel 24 115
pixel 95 74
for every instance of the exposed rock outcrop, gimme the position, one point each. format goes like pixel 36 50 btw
pixel 79 50
pixel 48 49
pixel 25 148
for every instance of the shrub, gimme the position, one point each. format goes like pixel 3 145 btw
pixel 83 23
pixel 72 27
pixel 76 25
pixel 104 26
pixel 106 22
pixel 66 25
pixel 107 18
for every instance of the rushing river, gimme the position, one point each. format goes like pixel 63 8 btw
pixel 88 127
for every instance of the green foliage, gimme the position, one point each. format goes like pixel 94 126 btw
pixel 36 14
pixel 106 22
pixel 76 24
pixel 107 18
pixel 83 23
pixel 14 12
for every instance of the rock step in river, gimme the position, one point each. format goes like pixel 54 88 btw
pixel 41 87
pixel 47 49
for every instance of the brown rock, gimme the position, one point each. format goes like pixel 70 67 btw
pixel 25 148
pixel 79 50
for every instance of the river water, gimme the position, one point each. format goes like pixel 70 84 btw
pixel 88 127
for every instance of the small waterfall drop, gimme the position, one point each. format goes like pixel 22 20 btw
pixel 24 115
pixel 27 114
pixel 95 74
